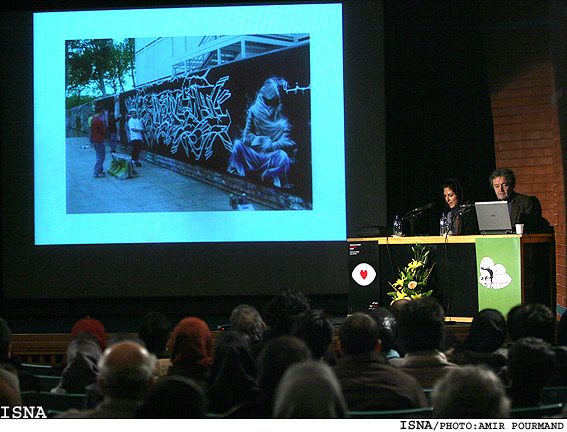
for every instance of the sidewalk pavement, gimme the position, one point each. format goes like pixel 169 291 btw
pixel 156 189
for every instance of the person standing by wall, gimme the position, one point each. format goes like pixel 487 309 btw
pixel 97 140
pixel 136 130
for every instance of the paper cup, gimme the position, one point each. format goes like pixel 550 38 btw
pixel 519 228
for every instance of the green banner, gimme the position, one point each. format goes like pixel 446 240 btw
pixel 499 271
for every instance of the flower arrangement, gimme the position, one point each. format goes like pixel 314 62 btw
pixel 412 280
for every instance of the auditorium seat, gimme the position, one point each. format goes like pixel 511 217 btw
pixel 552 395
pixel 38 369
pixel 393 414
pixel 51 401
pixel 47 382
pixel 541 411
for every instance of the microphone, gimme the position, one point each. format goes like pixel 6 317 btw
pixel 422 208
pixel 466 206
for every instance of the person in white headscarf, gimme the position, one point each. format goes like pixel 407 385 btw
pixel 309 389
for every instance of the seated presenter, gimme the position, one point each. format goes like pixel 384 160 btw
pixel 524 209
pixel 462 220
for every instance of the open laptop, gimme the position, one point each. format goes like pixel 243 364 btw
pixel 493 217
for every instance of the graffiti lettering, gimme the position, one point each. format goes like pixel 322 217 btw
pixel 190 117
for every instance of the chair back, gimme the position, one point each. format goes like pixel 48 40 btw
pixel 535 412
pixel 393 414
pixel 52 401
pixel 552 395
pixel 48 382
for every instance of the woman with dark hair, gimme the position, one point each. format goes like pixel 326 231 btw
pixel 462 221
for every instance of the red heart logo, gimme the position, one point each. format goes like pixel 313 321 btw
pixel 363 273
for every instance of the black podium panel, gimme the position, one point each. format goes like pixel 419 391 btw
pixel 453 279
pixel 364 282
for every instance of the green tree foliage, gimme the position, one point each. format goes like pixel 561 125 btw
pixel 93 64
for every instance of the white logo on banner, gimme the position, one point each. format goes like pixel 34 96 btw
pixel 364 274
pixel 492 275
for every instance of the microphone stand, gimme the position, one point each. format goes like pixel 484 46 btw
pixel 412 217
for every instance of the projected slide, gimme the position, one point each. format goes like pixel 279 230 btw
pixel 229 126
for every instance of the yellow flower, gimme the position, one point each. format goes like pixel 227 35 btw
pixel 412 285
pixel 414 264
pixel 400 282
pixel 399 296
pixel 416 296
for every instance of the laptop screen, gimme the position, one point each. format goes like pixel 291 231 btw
pixel 493 217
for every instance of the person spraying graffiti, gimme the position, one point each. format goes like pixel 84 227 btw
pixel 265 146
pixel 136 129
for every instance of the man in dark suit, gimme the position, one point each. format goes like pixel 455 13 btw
pixel 524 209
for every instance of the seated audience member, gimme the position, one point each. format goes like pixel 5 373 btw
pixel 470 392
pixel 315 329
pixel 126 375
pixel 9 389
pixel 422 328
pixel 92 326
pixel 281 312
pixel 524 209
pixel 387 333
pixel 8 361
pixel 174 397
pixel 486 335
pixel 538 321
pixel 246 319
pixel 233 376
pixel 529 368
pixel 395 308
pixel 81 371
pixel 192 350
pixel 367 380
pixel 155 330
pixel 93 392
pixel 276 356
pixel 309 389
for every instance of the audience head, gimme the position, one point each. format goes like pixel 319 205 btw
pixel 387 328
pixel 174 397
pixel 470 392
pixel 421 324
pixel 316 330
pixel 246 319
pixel 126 371
pixel 275 357
pixel 531 320
pixel 283 309
pixel 192 343
pixel 232 378
pixel 358 335
pixel 92 326
pixel 9 389
pixel 5 338
pixel 309 389
pixel 487 332
pixel 530 365
pixel 83 355
pixel 154 331
pixel 397 306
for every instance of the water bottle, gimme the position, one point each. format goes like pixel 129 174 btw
pixel 397 231
pixel 443 225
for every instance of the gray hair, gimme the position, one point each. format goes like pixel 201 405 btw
pixel 508 174
pixel 127 381
pixel 470 392
pixel 246 319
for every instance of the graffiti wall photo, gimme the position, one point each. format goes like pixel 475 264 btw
pixel 243 127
